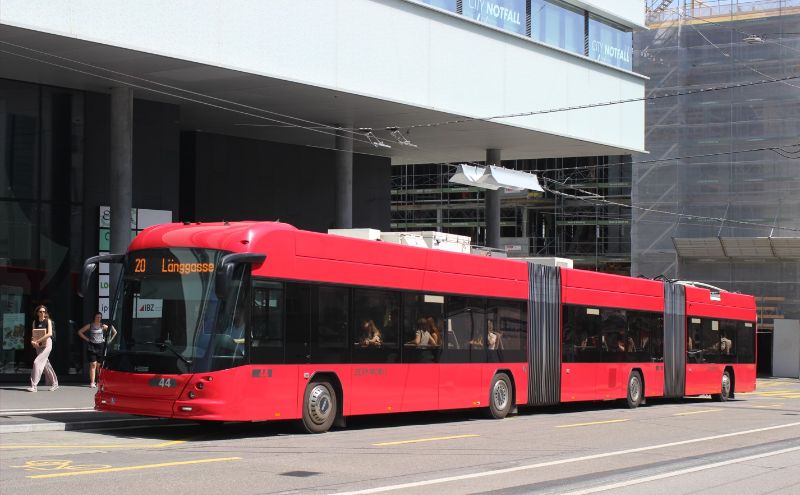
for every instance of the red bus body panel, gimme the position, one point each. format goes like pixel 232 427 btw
pixel 265 392
pixel 607 381
pixel 706 378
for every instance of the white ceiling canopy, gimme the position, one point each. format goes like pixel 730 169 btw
pixel 225 101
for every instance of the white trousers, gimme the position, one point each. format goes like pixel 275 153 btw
pixel 42 365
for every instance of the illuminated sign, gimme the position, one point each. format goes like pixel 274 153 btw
pixel 169 265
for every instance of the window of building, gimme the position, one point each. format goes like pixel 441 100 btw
pixel 449 5
pixel 509 15
pixel 558 24
pixel 610 43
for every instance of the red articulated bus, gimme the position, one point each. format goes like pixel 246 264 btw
pixel 255 321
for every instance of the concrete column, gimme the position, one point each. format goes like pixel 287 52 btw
pixel 121 166
pixel 492 202
pixel 344 180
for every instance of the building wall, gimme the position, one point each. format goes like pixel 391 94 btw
pixel 432 59
pixel 245 179
pixel 712 175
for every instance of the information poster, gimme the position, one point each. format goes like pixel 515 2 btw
pixel 13 331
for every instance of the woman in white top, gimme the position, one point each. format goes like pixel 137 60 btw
pixel 422 337
pixel 94 343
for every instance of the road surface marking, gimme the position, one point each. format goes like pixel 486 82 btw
pixel 434 439
pixel 696 412
pixel 771 405
pixel 647 479
pixel 99 446
pixel 59 464
pixel 593 423
pixel 570 460
pixel 133 468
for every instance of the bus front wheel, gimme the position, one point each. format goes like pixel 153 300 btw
pixel 500 396
pixel 725 388
pixel 319 407
pixel 635 390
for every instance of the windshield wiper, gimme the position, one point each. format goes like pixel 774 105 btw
pixel 164 345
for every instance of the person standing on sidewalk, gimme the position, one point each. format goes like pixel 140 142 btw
pixel 95 343
pixel 42 341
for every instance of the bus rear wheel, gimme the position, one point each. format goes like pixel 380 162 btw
pixel 635 390
pixel 500 396
pixel 319 407
pixel 725 388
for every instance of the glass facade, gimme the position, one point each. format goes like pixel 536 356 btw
pixel 558 25
pixel 554 23
pixel 41 221
pixel 596 236
pixel 610 44
pixel 509 15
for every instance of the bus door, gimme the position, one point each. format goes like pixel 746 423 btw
pixel 582 351
pixel 274 390
pixel 703 371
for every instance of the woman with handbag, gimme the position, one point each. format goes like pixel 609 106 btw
pixel 42 341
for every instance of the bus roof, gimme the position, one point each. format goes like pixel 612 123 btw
pixel 302 255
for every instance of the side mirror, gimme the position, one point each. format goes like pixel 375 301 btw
pixel 90 265
pixel 226 267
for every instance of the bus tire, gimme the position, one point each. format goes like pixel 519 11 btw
pixel 725 388
pixel 319 407
pixel 635 390
pixel 500 396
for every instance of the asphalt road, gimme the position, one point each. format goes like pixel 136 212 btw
pixel 750 445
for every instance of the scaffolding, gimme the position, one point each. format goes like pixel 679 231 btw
pixel 736 154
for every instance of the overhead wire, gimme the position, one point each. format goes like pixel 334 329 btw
pixel 775 149
pixel 598 198
pixel 601 104
pixel 593 197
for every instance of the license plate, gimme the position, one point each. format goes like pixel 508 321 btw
pixel 163 382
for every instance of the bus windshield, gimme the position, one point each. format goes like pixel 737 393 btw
pixel 168 317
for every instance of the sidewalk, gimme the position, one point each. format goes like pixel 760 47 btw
pixel 71 407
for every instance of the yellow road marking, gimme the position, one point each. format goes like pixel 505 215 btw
pixel 59 464
pixel 696 412
pixel 770 405
pixel 419 440
pixel 99 446
pixel 593 423
pixel 133 468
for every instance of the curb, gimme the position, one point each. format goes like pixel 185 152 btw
pixel 104 424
